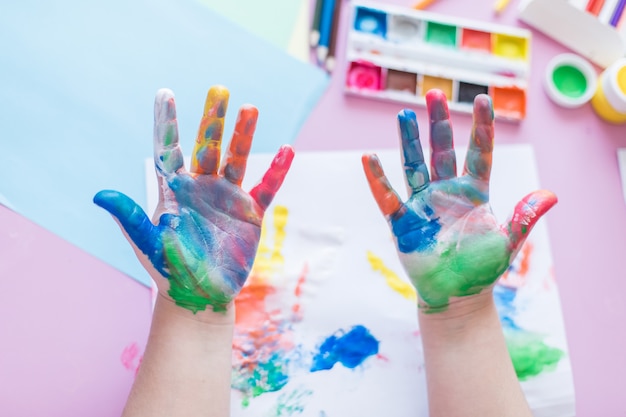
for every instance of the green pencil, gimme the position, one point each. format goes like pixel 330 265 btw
pixel 315 26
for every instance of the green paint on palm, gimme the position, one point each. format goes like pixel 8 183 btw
pixel 190 285
pixel 464 268
pixel 530 355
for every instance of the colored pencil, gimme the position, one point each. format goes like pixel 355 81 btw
pixel 621 23
pixel 326 24
pixel 315 26
pixel 617 13
pixel 423 4
pixel 500 6
pixel 594 6
pixel 607 11
pixel 332 44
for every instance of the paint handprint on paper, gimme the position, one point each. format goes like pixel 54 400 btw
pixel 267 351
pixel 530 354
pixel 267 310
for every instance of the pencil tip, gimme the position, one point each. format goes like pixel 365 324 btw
pixel 330 63
pixel 322 52
pixel 314 39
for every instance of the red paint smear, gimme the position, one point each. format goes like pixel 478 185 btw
pixel 298 291
pixel 259 329
pixel 131 357
pixel 382 357
pixel 520 271
pixel 250 303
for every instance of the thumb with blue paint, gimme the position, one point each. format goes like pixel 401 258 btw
pixel 133 221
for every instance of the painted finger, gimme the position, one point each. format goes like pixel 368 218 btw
pixel 205 158
pixel 132 219
pixel 443 157
pixel 415 170
pixel 386 197
pixel 168 158
pixel 235 159
pixel 525 215
pixel 263 193
pixel 479 153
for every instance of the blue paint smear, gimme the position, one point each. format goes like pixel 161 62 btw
pixel 350 349
pixel 505 298
pixel 415 233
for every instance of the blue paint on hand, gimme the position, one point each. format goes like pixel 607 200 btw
pixel 350 349
pixel 415 233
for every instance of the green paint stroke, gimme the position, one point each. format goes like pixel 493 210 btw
pixel 269 376
pixel 190 285
pixel 290 404
pixel 530 355
pixel 464 268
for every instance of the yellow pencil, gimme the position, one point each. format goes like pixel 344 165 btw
pixel 500 5
pixel 423 4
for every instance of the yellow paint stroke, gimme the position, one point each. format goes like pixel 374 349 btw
pixel 270 259
pixel 391 278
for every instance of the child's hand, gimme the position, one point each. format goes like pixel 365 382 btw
pixel 447 237
pixel 207 227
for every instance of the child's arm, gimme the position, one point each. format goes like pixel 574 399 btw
pixel 199 248
pixel 454 250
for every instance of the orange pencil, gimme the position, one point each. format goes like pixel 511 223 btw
pixel 423 4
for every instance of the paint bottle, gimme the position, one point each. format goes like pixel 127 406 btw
pixel 609 101
pixel 570 80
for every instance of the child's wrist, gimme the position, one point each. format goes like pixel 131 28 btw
pixel 461 315
pixel 208 316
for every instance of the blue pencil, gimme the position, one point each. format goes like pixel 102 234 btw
pixel 326 24
pixel 617 13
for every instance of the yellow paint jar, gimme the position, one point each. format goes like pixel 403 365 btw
pixel 609 100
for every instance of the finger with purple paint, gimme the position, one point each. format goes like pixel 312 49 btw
pixel 202 241
pixel 443 158
pixel 447 236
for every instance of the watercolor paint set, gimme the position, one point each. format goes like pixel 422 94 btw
pixel 398 54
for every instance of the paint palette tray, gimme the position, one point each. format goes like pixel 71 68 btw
pixel 398 54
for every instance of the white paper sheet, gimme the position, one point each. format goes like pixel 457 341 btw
pixel 331 226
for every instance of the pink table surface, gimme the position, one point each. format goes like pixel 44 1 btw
pixel 576 156
pixel 72 328
pixel 62 341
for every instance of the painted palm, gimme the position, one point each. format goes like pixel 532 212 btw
pixel 448 239
pixel 206 227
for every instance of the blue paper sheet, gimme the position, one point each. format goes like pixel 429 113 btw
pixel 79 80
